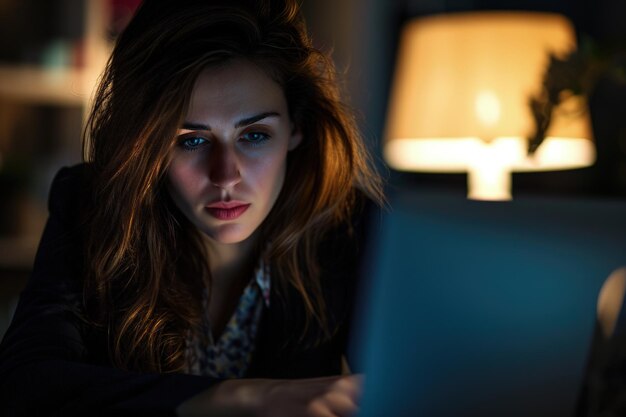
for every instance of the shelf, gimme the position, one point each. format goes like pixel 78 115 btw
pixel 57 86
pixel 67 87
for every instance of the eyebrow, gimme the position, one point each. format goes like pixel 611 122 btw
pixel 240 123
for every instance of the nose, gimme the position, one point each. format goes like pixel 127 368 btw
pixel 224 167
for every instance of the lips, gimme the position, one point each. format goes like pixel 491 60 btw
pixel 227 210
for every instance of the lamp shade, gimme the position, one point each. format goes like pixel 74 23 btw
pixel 461 93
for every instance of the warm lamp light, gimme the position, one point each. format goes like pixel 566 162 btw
pixel 460 99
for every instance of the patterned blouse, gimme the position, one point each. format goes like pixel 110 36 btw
pixel 230 355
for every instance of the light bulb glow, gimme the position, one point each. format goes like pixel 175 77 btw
pixel 487 107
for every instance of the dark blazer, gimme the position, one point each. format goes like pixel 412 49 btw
pixel 51 364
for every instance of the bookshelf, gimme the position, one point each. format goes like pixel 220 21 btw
pixel 47 80
pixel 60 87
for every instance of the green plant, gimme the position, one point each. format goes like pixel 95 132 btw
pixel 574 74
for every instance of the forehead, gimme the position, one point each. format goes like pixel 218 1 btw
pixel 234 88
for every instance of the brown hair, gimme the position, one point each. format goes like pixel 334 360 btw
pixel 146 266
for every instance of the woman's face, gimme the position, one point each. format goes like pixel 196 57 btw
pixel 228 166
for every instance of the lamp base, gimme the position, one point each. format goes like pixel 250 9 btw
pixel 489 182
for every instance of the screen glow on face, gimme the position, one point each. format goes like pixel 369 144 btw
pixel 228 166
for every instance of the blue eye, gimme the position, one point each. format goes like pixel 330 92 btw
pixel 255 138
pixel 193 143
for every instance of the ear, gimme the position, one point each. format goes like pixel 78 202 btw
pixel 295 138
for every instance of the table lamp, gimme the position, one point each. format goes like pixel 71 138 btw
pixel 460 100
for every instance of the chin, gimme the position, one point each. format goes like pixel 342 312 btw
pixel 229 233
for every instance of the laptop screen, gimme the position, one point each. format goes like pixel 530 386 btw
pixel 482 308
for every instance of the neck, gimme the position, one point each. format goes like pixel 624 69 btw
pixel 230 262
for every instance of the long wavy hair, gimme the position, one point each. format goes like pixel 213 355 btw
pixel 146 266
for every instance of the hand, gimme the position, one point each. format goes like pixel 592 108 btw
pixel 336 396
pixel 317 397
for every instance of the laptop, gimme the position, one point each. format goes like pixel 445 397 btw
pixel 484 309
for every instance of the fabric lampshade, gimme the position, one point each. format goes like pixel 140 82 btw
pixel 461 93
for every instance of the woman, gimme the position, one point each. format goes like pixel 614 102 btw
pixel 205 257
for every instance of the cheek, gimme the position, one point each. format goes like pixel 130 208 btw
pixel 269 174
pixel 184 179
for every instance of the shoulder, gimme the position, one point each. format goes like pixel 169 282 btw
pixel 60 243
pixel 60 248
pixel 68 191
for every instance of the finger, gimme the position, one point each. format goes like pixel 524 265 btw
pixel 340 404
pixel 351 386
pixel 319 408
